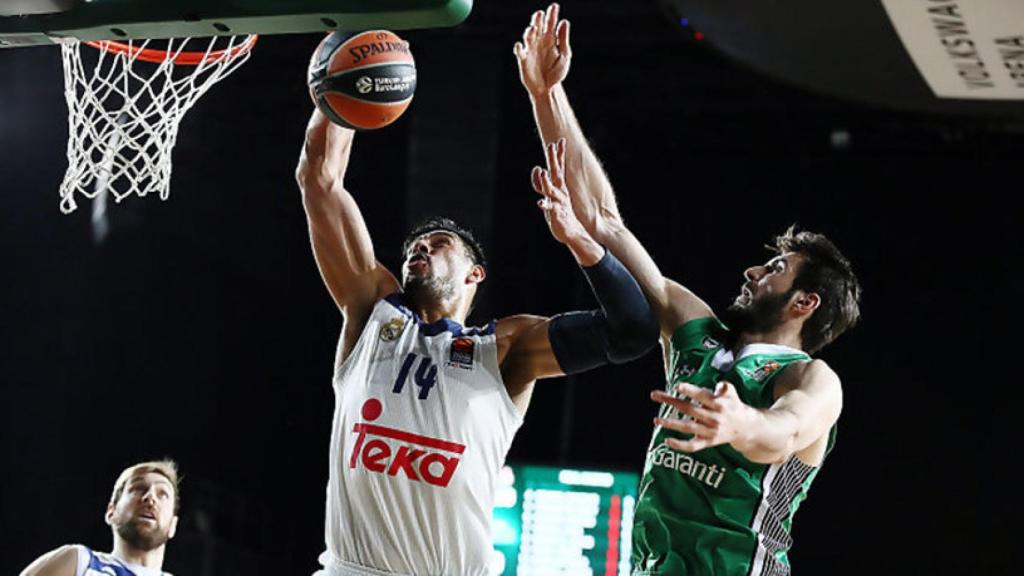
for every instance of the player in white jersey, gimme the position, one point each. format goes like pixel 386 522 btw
pixel 143 516
pixel 425 408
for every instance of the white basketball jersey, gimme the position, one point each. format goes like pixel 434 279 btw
pixel 422 424
pixel 91 563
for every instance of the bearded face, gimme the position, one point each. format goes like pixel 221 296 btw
pixel 436 264
pixel 758 315
pixel 143 516
pixel 429 286
pixel 142 534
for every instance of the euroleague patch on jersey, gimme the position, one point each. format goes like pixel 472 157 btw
pixel 394 452
pixel 765 371
pixel 461 353
pixel 392 330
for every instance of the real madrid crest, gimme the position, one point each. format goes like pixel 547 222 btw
pixel 392 330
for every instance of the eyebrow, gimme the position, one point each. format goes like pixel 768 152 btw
pixel 427 236
pixel 136 481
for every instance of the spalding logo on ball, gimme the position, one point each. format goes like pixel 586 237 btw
pixel 362 81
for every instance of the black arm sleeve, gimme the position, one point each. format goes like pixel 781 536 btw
pixel 623 329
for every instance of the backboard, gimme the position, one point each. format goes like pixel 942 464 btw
pixel 43 22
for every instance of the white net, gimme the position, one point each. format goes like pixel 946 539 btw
pixel 125 102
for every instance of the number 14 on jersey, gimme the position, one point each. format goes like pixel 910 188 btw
pixel 425 376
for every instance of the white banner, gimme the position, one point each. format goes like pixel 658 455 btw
pixel 964 48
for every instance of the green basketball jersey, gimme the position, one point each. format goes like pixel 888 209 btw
pixel 714 512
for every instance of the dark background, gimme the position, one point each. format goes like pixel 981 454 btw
pixel 199 327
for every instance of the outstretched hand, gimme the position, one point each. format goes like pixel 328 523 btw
pixel 544 53
pixel 714 418
pixel 557 206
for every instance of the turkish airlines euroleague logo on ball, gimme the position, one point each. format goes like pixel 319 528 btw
pixel 391 451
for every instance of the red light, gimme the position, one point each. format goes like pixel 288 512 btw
pixel 698 36
pixel 611 561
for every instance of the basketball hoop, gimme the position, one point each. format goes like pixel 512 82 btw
pixel 124 111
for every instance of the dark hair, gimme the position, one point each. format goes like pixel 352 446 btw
pixel 827 273
pixel 437 223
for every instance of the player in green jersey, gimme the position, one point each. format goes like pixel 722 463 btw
pixel 747 416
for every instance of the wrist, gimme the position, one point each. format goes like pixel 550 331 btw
pixel 585 249
pixel 541 94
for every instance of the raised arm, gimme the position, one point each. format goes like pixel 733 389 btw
pixel 622 329
pixel 544 56
pixel 60 562
pixel 341 242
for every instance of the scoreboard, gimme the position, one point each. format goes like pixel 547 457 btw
pixel 550 520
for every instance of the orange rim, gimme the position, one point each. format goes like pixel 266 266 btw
pixel 186 58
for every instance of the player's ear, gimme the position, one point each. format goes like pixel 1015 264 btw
pixel 476 274
pixel 805 303
pixel 174 527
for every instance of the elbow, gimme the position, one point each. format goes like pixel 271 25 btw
pixel 635 337
pixel 767 457
pixel 302 173
pixel 312 173
pixel 608 227
pixel 761 454
pixel 310 168
pixel 306 175
pixel 777 450
pixel 313 186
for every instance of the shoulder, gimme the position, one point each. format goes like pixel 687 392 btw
pixel 70 550
pixel 513 326
pixel 520 333
pixel 510 329
pixel 814 376
pixel 356 317
pixel 816 370
pixel 681 307
pixel 361 301
pixel 61 561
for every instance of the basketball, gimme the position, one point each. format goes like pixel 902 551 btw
pixel 362 81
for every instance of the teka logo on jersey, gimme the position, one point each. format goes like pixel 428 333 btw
pixel 418 458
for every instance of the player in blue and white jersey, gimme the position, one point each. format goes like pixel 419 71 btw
pixel 143 516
